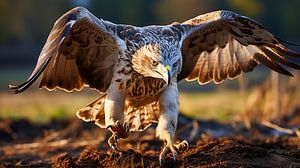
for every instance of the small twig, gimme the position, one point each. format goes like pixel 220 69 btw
pixel 281 129
pixel 142 160
pixel 36 144
pixel 59 143
pixel 195 130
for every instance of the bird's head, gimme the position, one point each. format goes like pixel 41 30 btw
pixel 153 61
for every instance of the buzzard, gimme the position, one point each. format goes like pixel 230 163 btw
pixel 137 68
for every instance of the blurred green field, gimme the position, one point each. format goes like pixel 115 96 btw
pixel 217 105
pixel 218 102
pixel 42 106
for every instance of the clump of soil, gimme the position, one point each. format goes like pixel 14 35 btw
pixel 72 143
pixel 209 152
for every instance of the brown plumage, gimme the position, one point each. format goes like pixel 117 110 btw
pixel 223 44
pixel 77 48
pixel 137 68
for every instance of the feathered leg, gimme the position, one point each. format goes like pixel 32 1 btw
pixel 114 107
pixel 168 122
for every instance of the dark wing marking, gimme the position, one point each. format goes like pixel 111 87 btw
pixel 223 44
pixel 81 50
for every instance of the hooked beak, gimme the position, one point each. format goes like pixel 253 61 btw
pixel 165 73
pixel 168 68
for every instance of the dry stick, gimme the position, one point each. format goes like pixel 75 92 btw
pixel 242 89
pixel 59 143
pixel 195 129
pixel 37 145
pixel 275 91
pixel 281 129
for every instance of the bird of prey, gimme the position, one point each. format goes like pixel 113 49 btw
pixel 137 68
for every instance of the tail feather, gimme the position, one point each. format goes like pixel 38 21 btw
pixel 94 112
pixel 138 119
pixel 141 118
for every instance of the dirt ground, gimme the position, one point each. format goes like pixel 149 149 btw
pixel 72 143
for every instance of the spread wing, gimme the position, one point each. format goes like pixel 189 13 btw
pixel 80 51
pixel 222 44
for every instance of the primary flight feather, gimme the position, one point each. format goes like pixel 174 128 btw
pixel 137 68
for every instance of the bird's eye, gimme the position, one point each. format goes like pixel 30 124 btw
pixel 154 63
pixel 175 64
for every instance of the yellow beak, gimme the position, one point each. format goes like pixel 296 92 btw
pixel 168 68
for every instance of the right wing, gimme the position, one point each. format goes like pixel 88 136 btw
pixel 222 44
pixel 80 51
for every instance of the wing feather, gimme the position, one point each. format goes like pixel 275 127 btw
pixel 81 50
pixel 232 44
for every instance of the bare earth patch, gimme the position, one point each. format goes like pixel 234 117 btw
pixel 72 143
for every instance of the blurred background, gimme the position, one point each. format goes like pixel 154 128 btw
pixel 25 25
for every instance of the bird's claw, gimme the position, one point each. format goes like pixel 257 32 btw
pixel 175 155
pixel 183 145
pixel 162 158
pixel 116 138
pixel 161 161
pixel 179 147
pixel 113 143
pixel 114 154
pixel 118 132
pixel 126 127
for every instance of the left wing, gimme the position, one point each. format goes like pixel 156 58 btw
pixel 222 44
pixel 81 51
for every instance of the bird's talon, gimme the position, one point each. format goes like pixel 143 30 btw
pixel 118 131
pixel 116 148
pixel 117 123
pixel 109 127
pixel 126 126
pixel 113 155
pixel 115 138
pixel 161 161
pixel 183 145
pixel 174 158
